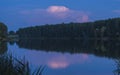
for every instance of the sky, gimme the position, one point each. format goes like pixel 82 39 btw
pixel 24 13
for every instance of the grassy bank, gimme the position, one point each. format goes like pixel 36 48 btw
pixel 13 66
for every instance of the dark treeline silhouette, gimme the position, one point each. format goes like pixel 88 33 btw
pixel 3 31
pixel 110 49
pixel 99 29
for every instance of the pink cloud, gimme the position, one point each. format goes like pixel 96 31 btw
pixel 82 18
pixel 117 11
pixel 85 18
pixel 54 14
pixel 57 9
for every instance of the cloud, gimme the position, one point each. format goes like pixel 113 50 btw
pixel 117 11
pixel 54 14
pixel 57 9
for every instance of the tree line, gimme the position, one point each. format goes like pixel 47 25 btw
pixel 109 28
pixel 3 31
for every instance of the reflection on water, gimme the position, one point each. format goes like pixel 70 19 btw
pixel 71 57
pixel 108 48
pixel 3 47
pixel 117 71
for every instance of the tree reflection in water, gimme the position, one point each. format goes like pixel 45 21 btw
pixel 101 48
pixel 3 47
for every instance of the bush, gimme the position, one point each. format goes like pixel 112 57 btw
pixel 13 66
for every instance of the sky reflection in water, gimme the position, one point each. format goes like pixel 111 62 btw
pixel 65 63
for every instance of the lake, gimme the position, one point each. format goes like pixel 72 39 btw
pixel 68 57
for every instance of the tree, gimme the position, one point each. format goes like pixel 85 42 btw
pixel 12 33
pixel 3 31
pixel 99 29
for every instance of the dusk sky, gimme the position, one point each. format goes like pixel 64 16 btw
pixel 23 13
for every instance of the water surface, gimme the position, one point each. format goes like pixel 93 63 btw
pixel 69 57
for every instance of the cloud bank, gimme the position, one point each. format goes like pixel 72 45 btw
pixel 54 14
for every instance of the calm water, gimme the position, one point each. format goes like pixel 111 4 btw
pixel 69 57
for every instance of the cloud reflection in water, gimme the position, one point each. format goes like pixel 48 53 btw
pixel 51 59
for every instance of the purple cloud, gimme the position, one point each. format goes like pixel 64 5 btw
pixel 57 9
pixel 54 14
pixel 117 11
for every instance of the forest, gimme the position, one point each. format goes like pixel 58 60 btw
pixel 3 31
pixel 101 29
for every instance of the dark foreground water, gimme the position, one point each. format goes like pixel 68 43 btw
pixel 69 57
